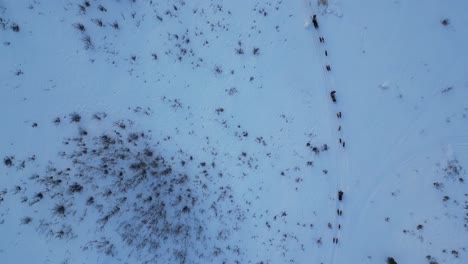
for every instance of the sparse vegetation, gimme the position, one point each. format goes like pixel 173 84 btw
pixel 15 27
pixel 115 25
pixel 98 22
pixel 75 188
pixel 88 44
pixel 218 70
pixel 80 27
pixel 239 51
pixel 75 117
pixel 322 2
pixel 232 91
pixel 256 51
pixel 59 209
pixel 167 202
pixel 8 161
pixel 102 8
pixel 57 120
pixel 26 220
pixel 116 176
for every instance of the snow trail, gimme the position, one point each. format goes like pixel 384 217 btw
pixel 336 128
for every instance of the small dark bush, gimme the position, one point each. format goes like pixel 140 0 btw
pixel 391 260
pixel 87 42
pixel 107 140
pixel 132 137
pixel 82 9
pixel 80 27
pixel 166 171
pixel 102 8
pixel 438 185
pixel 75 187
pixel 148 152
pixel 83 132
pixel 138 166
pixel 232 91
pixel 256 51
pixel 98 22
pixel 57 120
pixel 8 161
pixel 218 69
pixel 445 22
pixel 115 25
pixel 90 201
pixel 26 220
pixel 432 260
pixel 239 51
pixel 99 116
pixel 75 117
pixel 15 27
pixel 59 209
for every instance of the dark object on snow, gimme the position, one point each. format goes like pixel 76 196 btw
pixel 15 27
pixel 445 22
pixel 315 150
pixel 322 40
pixel 339 212
pixel 339 128
pixel 338 114
pixel 340 195
pixel 328 68
pixel 326 53
pixel 8 161
pixel 391 261
pixel 314 21
pixel 344 144
pixel 333 96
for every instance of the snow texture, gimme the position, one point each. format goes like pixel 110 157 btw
pixel 137 131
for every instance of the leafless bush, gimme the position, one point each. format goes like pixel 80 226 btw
pixel 15 27
pixel 322 3
pixel 80 27
pixel 88 44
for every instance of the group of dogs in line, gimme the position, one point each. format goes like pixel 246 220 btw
pixel 328 68
pixel 338 115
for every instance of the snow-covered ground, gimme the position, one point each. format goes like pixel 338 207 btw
pixel 204 131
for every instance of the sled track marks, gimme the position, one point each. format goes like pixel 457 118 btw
pixel 340 155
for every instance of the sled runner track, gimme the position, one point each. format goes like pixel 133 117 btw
pixel 332 130
pixel 341 158
pixel 388 164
